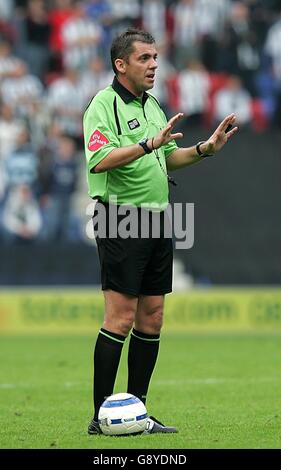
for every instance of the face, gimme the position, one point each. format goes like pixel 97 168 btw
pixel 138 74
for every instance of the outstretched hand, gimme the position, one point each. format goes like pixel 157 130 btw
pixel 165 135
pixel 219 138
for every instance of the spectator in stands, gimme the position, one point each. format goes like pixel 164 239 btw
pixel 22 163
pixel 61 12
pixel 21 222
pixel 6 9
pixel 33 38
pixel 81 37
pixel 94 79
pixel 273 52
pixel 22 90
pixel 63 179
pixel 20 6
pixel 65 103
pixel 211 16
pixel 272 48
pixel 126 13
pixel 9 64
pixel 154 18
pixel 7 30
pixel 10 130
pixel 45 169
pixel 267 89
pixel 186 32
pixel 100 11
pixel 235 98
pixel 193 86
pixel 238 52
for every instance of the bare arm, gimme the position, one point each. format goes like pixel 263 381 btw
pixel 182 157
pixel 187 156
pixel 179 158
pixel 119 157
pixel 122 156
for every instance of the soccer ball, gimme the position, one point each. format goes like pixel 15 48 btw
pixel 121 414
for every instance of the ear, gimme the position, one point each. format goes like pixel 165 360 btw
pixel 120 64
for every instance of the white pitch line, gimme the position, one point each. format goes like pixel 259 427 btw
pixel 6 386
pixel 214 381
pixel 172 382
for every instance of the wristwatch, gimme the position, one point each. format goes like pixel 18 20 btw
pixel 143 144
pixel 202 154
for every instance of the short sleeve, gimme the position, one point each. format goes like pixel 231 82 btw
pixel 171 146
pixel 100 133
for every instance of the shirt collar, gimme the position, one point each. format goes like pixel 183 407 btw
pixel 125 94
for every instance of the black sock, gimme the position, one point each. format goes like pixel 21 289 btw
pixel 106 360
pixel 143 351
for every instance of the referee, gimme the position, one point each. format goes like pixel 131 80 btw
pixel 129 148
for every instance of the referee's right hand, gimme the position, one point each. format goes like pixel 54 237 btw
pixel 165 135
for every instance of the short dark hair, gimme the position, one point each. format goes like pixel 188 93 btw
pixel 122 46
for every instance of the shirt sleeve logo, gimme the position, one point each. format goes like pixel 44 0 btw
pixel 97 140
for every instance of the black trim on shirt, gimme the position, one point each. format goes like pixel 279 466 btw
pixel 116 116
pixel 155 99
pixel 87 106
pixel 125 94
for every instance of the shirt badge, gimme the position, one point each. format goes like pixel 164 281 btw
pixel 133 124
pixel 97 140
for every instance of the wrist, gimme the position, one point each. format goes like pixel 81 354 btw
pixel 151 144
pixel 201 149
pixel 144 143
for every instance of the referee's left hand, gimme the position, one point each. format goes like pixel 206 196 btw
pixel 219 138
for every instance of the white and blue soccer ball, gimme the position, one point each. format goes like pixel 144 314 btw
pixel 122 413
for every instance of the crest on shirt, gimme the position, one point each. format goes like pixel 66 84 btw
pixel 133 124
pixel 97 140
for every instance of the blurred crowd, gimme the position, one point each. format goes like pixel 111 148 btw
pixel 215 57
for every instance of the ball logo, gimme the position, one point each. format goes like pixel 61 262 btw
pixel 97 140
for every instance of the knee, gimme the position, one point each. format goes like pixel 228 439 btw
pixel 120 324
pixel 125 324
pixel 156 319
pixel 151 321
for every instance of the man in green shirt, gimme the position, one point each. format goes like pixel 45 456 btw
pixel 129 147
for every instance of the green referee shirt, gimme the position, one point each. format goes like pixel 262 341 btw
pixel 117 118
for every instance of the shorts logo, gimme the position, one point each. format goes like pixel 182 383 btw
pixel 133 124
pixel 97 140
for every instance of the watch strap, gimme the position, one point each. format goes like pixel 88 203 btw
pixel 143 144
pixel 200 153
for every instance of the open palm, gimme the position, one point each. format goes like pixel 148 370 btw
pixel 219 138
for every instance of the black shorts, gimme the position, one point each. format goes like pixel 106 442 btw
pixel 136 265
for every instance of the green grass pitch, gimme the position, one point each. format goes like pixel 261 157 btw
pixel 221 391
